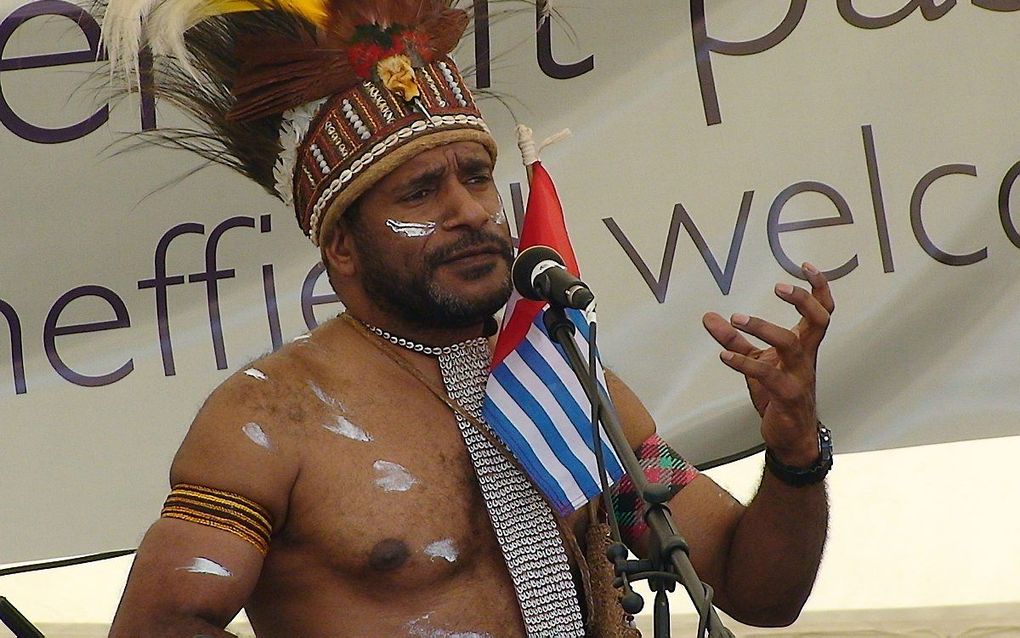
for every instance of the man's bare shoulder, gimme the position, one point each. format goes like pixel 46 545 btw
pixel 278 389
pixel 250 435
pixel 263 414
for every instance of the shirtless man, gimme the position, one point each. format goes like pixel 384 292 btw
pixel 378 525
pixel 326 489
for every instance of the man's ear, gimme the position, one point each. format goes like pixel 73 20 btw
pixel 338 250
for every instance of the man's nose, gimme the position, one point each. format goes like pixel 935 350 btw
pixel 464 207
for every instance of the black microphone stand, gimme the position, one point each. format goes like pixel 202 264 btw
pixel 669 556
pixel 10 616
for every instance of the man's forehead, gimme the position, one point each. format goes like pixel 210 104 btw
pixel 455 154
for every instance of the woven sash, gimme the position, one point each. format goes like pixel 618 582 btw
pixel 523 521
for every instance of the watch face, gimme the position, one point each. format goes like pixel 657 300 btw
pixel 825 445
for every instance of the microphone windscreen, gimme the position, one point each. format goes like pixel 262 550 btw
pixel 524 267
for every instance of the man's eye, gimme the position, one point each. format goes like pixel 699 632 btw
pixel 480 179
pixel 417 195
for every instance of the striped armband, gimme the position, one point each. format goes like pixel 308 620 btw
pixel 661 465
pixel 222 510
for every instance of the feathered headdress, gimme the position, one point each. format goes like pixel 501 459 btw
pixel 315 100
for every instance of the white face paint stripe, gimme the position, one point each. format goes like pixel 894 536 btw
pixel 411 229
pixel 201 565
pixel 393 477
pixel 257 435
pixel 255 373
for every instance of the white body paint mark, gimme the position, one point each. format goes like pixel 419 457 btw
pixel 257 435
pixel 421 628
pixel 321 395
pixel 201 565
pixel 343 427
pixel 255 373
pixel 303 337
pixel 442 549
pixel 411 229
pixel 393 477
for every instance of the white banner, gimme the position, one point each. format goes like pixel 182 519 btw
pixel 715 147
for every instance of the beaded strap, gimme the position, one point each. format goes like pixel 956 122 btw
pixel 522 520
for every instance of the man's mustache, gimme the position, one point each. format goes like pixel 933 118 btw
pixel 472 240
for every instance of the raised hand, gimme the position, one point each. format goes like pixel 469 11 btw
pixel 781 378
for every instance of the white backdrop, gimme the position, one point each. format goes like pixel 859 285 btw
pixel 899 131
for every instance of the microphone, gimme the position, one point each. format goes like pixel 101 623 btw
pixel 539 273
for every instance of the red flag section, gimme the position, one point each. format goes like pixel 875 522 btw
pixel 543 226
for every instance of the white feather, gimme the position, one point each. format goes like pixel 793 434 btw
pixel 167 23
pixel 122 36
pixel 295 125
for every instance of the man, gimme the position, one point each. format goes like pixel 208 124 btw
pixel 333 488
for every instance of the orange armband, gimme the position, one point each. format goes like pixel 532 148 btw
pixel 222 510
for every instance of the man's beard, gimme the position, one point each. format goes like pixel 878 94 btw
pixel 418 299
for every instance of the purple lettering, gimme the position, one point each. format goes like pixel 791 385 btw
pixel 723 276
pixel 160 282
pixel 90 28
pixel 517 201
pixel 483 79
pixel 51 331
pixel 212 276
pixel 272 307
pixel 877 200
pixel 309 299
pixel 546 61
pixel 17 349
pixel 998 5
pixel 1005 189
pixel 917 224
pixel 775 227
pixel 929 9
pixel 147 92
pixel 705 46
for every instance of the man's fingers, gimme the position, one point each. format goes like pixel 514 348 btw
pixel 780 385
pixel 726 335
pixel 819 287
pixel 786 342
pixel 814 316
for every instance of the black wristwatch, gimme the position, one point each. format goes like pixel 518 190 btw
pixel 799 477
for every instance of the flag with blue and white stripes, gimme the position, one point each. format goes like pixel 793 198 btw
pixel 533 401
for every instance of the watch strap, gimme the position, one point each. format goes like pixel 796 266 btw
pixel 800 477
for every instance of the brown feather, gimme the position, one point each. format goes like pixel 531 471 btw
pixel 280 74
pixel 445 30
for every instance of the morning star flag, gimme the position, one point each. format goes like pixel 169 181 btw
pixel 533 401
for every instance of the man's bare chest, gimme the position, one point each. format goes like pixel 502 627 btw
pixel 387 491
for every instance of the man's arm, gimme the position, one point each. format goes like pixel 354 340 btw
pixel 191 577
pixel 762 559
pixel 187 581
